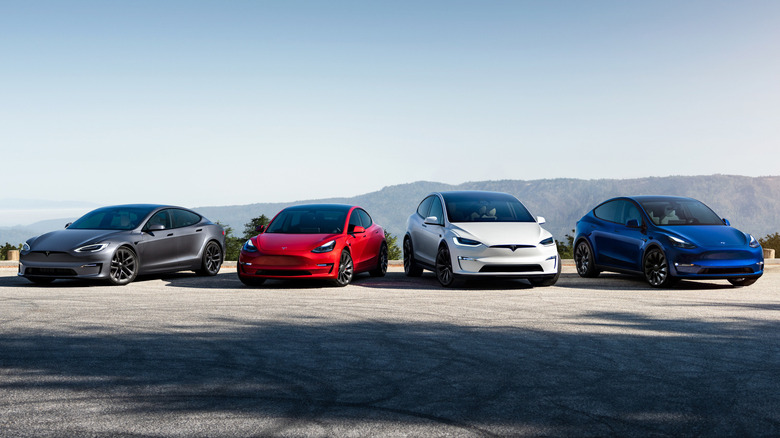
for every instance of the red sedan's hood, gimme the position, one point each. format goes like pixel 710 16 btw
pixel 272 242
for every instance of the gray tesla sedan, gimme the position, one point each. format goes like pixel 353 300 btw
pixel 120 242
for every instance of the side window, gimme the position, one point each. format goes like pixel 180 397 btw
pixel 425 206
pixel 184 218
pixel 365 218
pixel 437 211
pixel 354 221
pixel 631 212
pixel 160 218
pixel 608 211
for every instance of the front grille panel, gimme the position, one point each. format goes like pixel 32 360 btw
pixel 51 272
pixel 283 272
pixel 724 271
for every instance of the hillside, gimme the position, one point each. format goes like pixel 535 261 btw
pixel 751 204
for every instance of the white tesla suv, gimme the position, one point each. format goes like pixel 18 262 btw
pixel 468 234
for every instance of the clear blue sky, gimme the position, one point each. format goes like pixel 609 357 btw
pixel 201 103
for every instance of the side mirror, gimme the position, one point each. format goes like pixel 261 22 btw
pixel 157 227
pixel 260 228
pixel 68 224
pixel 541 220
pixel 726 221
pixel 632 223
pixel 431 220
pixel 358 230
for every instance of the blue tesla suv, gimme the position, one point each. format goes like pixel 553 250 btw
pixel 665 238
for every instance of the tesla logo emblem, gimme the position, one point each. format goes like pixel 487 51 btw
pixel 47 253
pixel 284 247
pixel 513 247
pixel 722 243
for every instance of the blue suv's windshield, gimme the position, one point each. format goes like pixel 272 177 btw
pixel 680 212
pixel 485 207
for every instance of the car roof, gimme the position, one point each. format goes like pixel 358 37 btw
pixel 344 207
pixel 642 198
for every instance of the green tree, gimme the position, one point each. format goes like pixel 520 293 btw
pixel 250 228
pixel 393 252
pixel 566 250
pixel 771 241
pixel 8 247
pixel 232 243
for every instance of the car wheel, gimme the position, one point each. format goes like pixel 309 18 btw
pixel 547 281
pixel 381 264
pixel 742 281
pixel 40 280
pixel 444 267
pixel 124 266
pixel 212 259
pixel 346 270
pixel 411 268
pixel 656 269
pixel 583 258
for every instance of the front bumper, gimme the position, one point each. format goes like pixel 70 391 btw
pixel 539 261
pixel 289 266
pixel 65 265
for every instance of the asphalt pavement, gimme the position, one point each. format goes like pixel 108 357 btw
pixel 187 356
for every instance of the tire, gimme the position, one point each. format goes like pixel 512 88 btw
pixel 583 258
pixel 346 270
pixel 444 272
pixel 40 280
pixel 411 268
pixel 251 281
pixel 547 281
pixel 381 264
pixel 212 259
pixel 743 281
pixel 124 266
pixel 656 269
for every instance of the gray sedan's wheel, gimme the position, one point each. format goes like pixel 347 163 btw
pixel 656 269
pixel 444 267
pixel 124 266
pixel 381 264
pixel 346 270
pixel 212 259
pixel 743 281
pixel 411 268
pixel 583 258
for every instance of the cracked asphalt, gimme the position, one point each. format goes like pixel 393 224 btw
pixel 187 356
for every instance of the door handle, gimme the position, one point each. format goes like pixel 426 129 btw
pixel 170 234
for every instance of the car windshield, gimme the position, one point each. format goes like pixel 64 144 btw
pixel 321 220
pixel 680 212
pixel 485 207
pixel 112 218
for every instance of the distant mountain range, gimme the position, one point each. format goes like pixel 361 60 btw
pixel 752 204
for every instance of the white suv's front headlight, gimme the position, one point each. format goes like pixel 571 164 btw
pixel 462 241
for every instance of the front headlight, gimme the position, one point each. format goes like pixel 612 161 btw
pixel 466 242
pixel 753 242
pixel 680 243
pixel 249 246
pixel 547 242
pixel 26 246
pixel 327 247
pixel 96 247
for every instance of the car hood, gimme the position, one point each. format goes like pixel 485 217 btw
pixel 709 235
pixel 68 239
pixel 504 233
pixel 291 242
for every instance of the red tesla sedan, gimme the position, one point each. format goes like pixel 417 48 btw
pixel 326 241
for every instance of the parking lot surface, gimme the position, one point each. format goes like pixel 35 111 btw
pixel 187 356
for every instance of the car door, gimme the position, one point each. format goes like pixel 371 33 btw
pixel 189 236
pixel 618 244
pixel 357 241
pixel 430 234
pixel 157 248
pixel 374 238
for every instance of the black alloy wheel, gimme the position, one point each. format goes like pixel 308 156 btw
pixel 212 259
pixel 444 267
pixel 656 269
pixel 381 264
pixel 583 258
pixel 346 270
pixel 124 266
pixel 410 266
